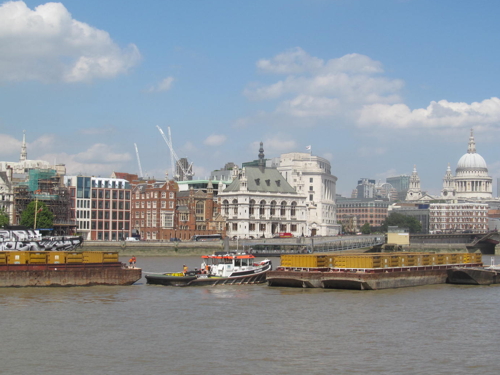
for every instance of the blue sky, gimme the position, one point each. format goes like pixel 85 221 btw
pixel 373 86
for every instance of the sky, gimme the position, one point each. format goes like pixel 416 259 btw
pixel 374 86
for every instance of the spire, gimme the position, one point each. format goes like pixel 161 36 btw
pixel 261 154
pixel 472 144
pixel 24 153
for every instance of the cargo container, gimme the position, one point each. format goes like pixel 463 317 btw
pixel 37 257
pixel 56 257
pixel 74 258
pixel 17 257
pixel 93 257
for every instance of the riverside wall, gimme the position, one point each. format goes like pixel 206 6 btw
pixel 188 248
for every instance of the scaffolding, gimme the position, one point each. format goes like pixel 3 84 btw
pixel 46 186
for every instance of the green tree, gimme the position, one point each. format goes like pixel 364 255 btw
pixel 402 221
pixel 44 217
pixel 4 218
pixel 365 229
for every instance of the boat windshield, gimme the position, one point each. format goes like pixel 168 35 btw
pixel 236 260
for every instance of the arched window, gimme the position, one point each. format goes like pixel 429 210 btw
pixel 252 206
pixel 283 208
pixel 273 208
pixel 293 210
pixel 225 206
pixel 235 206
pixel 262 208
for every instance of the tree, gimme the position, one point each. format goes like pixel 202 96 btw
pixel 365 229
pixel 402 221
pixel 4 218
pixel 44 217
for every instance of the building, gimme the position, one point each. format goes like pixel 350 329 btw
pixel 401 184
pixel 261 203
pixel 101 207
pixel 153 209
pixel 7 196
pixel 471 180
pixel 311 177
pixel 198 212
pixel 365 188
pixel 353 213
pixel 458 217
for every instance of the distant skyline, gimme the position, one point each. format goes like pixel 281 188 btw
pixel 375 87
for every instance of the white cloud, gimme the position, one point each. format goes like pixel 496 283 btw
pixel 46 44
pixel 99 131
pixel 215 140
pixel 164 85
pixel 9 144
pixel 101 153
pixel 99 159
pixel 441 114
pixel 315 88
pixel 274 145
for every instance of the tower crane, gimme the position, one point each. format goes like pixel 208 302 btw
pixel 186 172
pixel 138 160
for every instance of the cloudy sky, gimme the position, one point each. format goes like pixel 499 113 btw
pixel 375 86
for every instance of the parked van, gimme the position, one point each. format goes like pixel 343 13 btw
pixel 131 239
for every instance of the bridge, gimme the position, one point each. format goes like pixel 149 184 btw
pixel 301 245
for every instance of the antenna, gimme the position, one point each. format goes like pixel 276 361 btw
pixel 138 160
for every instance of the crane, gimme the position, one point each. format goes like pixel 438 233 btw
pixel 186 172
pixel 138 160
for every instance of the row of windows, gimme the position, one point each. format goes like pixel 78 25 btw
pixel 113 205
pixel 107 225
pixel 262 207
pixel 113 215
pixel 107 194
pixel 153 194
pixel 153 204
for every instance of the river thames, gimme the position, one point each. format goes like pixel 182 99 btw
pixel 250 329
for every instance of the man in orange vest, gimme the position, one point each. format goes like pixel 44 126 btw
pixel 184 269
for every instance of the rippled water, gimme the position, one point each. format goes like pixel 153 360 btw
pixel 251 329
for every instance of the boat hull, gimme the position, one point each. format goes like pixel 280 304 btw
pixel 366 279
pixel 255 278
pixel 473 276
pixel 46 275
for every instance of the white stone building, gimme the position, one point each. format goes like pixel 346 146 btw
pixel 311 177
pixel 458 217
pixel 471 180
pixel 261 203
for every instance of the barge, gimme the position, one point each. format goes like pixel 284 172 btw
pixel 368 271
pixel 475 276
pixel 54 268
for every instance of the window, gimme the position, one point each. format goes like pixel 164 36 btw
pixel 273 208
pixel 283 209
pixel 163 194
pixel 310 179
pixel 252 227
pixel 262 208
pixel 225 205
pixel 293 210
pixel 171 195
pixel 235 226
pixel 171 204
pixel 235 206
pixel 200 211
pixel 252 207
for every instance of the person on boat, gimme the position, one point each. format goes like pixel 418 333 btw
pixel 134 260
pixel 184 269
pixel 207 269
pixel 130 263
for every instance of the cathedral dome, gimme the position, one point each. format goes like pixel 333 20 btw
pixel 471 161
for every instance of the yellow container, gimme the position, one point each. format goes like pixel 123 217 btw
pixel 56 257
pixel 92 257
pixel 110 257
pixel 74 258
pixel 17 257
pixel 37 258
pixel 3 258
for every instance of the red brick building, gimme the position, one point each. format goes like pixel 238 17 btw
pixel 153 209
pixel 198 212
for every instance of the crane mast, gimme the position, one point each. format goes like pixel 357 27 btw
pixel 138 160
pixel 186 172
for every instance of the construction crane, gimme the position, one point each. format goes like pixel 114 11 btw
pixel 176 165
pixel 138 160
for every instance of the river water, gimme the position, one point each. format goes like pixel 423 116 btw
pixel 251 329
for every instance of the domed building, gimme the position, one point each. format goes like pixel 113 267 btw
pixel 471 180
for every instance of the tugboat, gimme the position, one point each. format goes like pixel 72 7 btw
pixel 218 269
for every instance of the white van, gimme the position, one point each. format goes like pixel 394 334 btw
pixel 131 239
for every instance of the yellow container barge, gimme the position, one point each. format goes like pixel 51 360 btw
pixel 368 271
pixel 64 268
